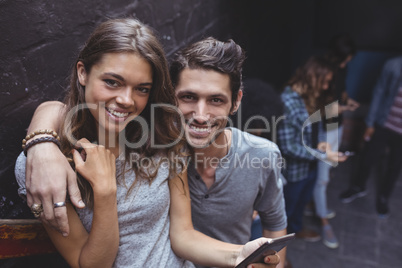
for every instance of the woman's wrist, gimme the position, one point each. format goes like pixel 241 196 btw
pixel 105 190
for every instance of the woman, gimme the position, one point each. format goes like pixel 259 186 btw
pixel 298 136
pixel 341 50
pixel 119 74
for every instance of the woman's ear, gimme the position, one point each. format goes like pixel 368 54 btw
pixel 81 73
pixel 237 103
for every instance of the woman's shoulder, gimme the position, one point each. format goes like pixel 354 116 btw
pixel 290 96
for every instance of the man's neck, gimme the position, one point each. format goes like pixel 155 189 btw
pixel 208 157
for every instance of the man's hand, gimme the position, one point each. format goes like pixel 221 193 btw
pixel 48 177
pixel 368 133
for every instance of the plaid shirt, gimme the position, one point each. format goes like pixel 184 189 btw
pixel 292 133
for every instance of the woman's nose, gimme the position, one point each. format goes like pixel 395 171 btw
pixel 125 97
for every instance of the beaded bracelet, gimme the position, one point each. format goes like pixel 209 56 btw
pixel 39 132
pixel 40 140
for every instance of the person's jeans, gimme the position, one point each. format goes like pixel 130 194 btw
pixel 320 189
pixel 382 140
pixel 297 195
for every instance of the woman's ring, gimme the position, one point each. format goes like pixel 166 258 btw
pixel 59 204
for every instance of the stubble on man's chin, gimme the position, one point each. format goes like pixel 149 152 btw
pixel 209 143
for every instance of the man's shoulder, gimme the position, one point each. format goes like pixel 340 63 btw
pixel 251 143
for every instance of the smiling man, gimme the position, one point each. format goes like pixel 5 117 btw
pixel 231 172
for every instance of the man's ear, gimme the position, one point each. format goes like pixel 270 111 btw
pixel 238 101
pixel 81 73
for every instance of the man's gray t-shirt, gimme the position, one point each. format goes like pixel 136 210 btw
pixel 247 179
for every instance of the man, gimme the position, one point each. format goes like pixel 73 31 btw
pixel 231 172
pixel 383 132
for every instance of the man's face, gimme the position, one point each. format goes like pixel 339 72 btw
pixel 205 99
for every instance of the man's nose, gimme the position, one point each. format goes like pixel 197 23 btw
pixel 201 113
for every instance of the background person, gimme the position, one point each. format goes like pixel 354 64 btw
pixel 383 132
pixel 340 52
pixel 300 98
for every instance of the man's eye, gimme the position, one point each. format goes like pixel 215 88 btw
pixel 217 100
pixel 111 82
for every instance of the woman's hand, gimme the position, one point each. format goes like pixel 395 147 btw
pixel 324 146
pixel 271 261
pixel 98 166
pixel 352 104
pixel 332 156
pixel 336 157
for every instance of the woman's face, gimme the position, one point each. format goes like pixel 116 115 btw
pixel 118 88
pixel 326 81
pixel 321 84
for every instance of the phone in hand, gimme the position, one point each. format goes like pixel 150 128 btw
pixel 268 248
pixel 348 153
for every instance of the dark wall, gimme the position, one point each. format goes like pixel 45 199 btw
pixel 280 35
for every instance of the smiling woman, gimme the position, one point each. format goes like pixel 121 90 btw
pixel 119 73
pixel 120 84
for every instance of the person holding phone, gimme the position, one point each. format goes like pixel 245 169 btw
pixel 301 141
pixel 226 163
pixel 341 51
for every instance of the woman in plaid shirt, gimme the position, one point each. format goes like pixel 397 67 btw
pixel 300 140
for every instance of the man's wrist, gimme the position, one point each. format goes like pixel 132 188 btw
pixel 41 147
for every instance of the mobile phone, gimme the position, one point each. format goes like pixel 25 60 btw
pixel 268 248
pixel 348 153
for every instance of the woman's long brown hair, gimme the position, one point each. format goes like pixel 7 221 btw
pixel 308 80
pixel 125 36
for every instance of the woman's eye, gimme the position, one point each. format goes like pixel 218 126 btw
pixel 144 90
pixel 111 83
pixel 187 97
